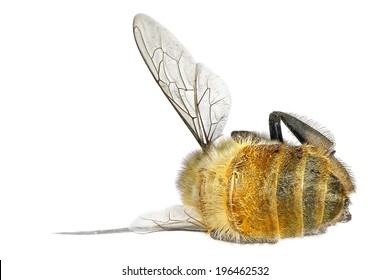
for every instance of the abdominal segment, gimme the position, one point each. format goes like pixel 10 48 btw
pixel 278 191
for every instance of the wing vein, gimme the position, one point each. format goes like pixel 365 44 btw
pixel 200 97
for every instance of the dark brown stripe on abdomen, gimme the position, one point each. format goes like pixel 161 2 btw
pixel 314 188
pixel 289 191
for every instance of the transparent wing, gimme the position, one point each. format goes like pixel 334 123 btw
pixel 199 96
pixel 176 217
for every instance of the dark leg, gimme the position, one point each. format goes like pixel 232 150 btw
pixel 275 129
pixel 302 131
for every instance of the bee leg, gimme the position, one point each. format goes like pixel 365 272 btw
pixel 243 136
pixel 275 130
pixel 301 130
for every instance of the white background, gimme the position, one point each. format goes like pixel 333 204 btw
pixel 88 141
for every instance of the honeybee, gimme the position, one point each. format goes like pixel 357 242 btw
pixel 247 188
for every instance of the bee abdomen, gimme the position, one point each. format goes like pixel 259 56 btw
pixel 323 198
pixel 278 191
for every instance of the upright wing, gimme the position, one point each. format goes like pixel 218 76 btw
pixel 199 96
